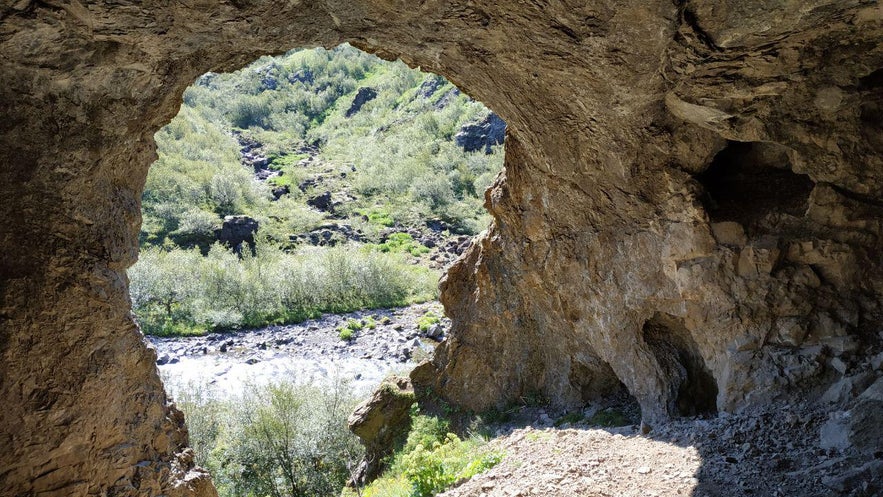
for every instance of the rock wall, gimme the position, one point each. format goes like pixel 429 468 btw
pixel 690 207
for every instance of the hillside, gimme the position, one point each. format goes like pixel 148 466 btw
pixel 375 135
pixel 325 164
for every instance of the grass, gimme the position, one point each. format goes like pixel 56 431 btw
pixel 432 460
pixel 378 216
pixel 425 322
pixel 348 331
pixel 609 418
pixel 398 243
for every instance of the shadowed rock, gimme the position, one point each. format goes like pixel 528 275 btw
pixel 382 423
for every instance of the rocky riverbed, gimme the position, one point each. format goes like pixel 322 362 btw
pixel 388 340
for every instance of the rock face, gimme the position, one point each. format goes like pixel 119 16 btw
pixel 237 230
pixel 690 208
pixel 363 96
pixel 484 134
pixel 381 423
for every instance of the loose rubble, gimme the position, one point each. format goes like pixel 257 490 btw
pixel 305 352
pixel 776 451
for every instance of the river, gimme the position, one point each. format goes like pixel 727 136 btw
pixel 308 352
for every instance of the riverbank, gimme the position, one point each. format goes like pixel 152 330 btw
pixel 389 340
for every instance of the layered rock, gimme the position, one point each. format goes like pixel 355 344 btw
pixel 636 238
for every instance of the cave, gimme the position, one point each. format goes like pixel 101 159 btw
pixel 679 356
pixel 611 109
pixel 747 181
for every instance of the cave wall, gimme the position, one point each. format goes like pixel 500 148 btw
pixel 603 219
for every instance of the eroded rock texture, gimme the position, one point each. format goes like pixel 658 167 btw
pixel 691 205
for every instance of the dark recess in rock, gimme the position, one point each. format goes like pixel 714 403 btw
pixel 747 181
pixel 677 353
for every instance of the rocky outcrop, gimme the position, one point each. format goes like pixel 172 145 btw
pixel 363 96
pixel 619 255
pixel 238 230
pixel 382 423
pixel 484 134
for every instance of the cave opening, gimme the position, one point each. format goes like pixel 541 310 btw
pixel 297 221
pixel 691 380
pixel 746 181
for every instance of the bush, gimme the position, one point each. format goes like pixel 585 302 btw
pixel 426 321
pixel 402 243
pixel 282 439
pixel 432 460
pixel 179 291
pixel 435 468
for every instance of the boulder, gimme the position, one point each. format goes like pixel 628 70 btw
pixel 484 134
pixel 237 230
pixel 321 202
pixel 382 423
pixel 363 96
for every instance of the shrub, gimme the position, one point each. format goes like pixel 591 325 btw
pixel 280 440
pixel 432 460
pixel 179 291
pixel 345 333
pixel 433 469
pixel 402 243
pixel 426 321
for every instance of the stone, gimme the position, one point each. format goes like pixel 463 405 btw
pixel 435 332
pixel 847 388
pixel 482 135
pixel 729 233
pixel 834 434
pixel 237 230
pixel 321 202
pixel 363 96
pixel 280 191
pixel 868 477
pixel 381 423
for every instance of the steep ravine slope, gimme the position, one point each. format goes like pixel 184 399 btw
pixel 691 206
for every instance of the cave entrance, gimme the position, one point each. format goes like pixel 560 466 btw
pixel 354 181
pixel 694 387
pixel 746 181
pixel 305 206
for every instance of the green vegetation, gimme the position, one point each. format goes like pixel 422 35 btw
pixel 278 440
pixel 432 460
pixel 348 331
pixel 290 440
pixel 426 321
pixel 181 291
pixel 402 243
pixel 396 155
pixel 610 418
pixel 394 163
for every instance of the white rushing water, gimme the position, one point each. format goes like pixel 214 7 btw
pixel 308 353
